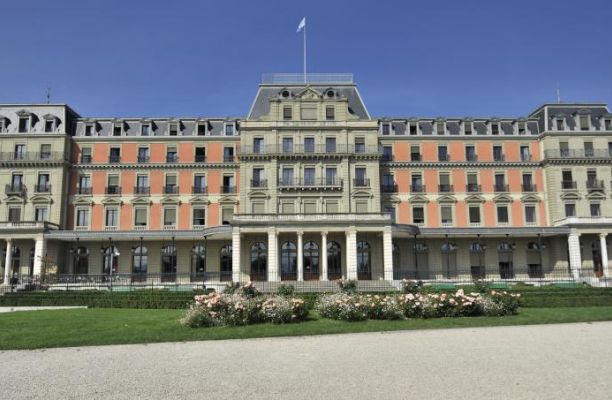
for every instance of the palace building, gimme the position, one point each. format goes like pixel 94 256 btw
pixel 308 186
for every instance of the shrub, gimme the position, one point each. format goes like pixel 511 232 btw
pixel 247 290
pixel 285 290
pixel 382 307
pixel 508 303
pixel 480 285
pixel 409 286
pixel 281 309
pixel 343 307
pixel 347 285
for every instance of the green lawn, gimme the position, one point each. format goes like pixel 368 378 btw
pixel 62 328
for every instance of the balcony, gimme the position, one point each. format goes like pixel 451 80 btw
pixel 528 187
pixel 443 157
pixel 113 158
pixel 83 190
pixel 577 153
pixel 526 157
pixel 226 189
pixel 200 158
pixel 15 189
pixel 85 159
pixel 170 189
pixel 416 157
pixel 113 190
pixel 228 158
pixel 417 188
pixel 171 157
pixel 259 183
pixel 308 150
pixel 42 188
pixel 473 188
pixel 594 185
pixel 387 157
pixel 265 219
pixel 45 155
pixel 310 184
pixel 389 188
pixel 143 159
pixel 500 188
pixel 471 158
pixel 445 188
pixel 361 182
pixel 22 156
pixel 199 189
pixel 569 185
pixel 142 190
pixel 499 158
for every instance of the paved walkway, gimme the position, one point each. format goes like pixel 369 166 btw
pixel 572 361
pixel 37 308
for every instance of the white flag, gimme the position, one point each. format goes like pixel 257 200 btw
pixel 301 25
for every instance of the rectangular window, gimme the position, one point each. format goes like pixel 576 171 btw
pixel 14 214
pixel 588 149
pixel 502 214
pixel 287 176
pixel 521 128
pixel 88 130
pixel 43 184
pixel 309 111
pixel 470 153
pixel 169 216
pixel 530 214
pixel 331 207
pixel 115 154
pixel 387 153
pixel 230 129
pixel 446 215
pixel 330 145
pixel 117 130
pixel 45 151
pixel 584 123
pixel 86 155
pixel 171 186
pixel 287 145
pixel 494 129
pixel 20 152
pixel 227 214
pixel 145 130
pixel 82 219
pixel 608 124
pixel 498 153
pixel 413 128
pixel 360 177
pixel 258 207
pixel 442 153
pixel 474 213
pixel 560 124
pixel 140 216
pixel 202 129
pixel 112 217
pixel 199 217
pixel 570 209
pixel 199 183
pixel 418 215
pixel 49 125
pixel 228 154
pixel 359 145
pixel 309 145
pixel 200 154
pixel 84 184
pixel 24 124
pixel 173 129
pixel 287 113
pixel 415 153
pixel 361 207
pixel 440 128
pixel 258 145
pixel 525 153
pixel 330 113
pixel 468 128
pixel 595 209
pixel 143 154
pixel 309 176
pixel 386 129
pixel 330 176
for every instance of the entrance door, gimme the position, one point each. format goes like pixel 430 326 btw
pixel 597 263
pixel 506 270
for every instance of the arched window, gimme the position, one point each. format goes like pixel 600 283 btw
pixel 140 260
pixel 288 261
pixel 198 261
pixel 225 262
pixel 311 261
pixel 505 260
pixel 259 261
pixel 81 261
pixel 334 261
pixel 168 261
pixel 364 261
pixel 110 259
pixel 477 259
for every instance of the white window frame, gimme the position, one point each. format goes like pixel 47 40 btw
pixel 76 218
pixel 193 210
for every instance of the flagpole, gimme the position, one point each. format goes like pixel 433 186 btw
pixel 304 53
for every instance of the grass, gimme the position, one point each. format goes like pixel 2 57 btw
pixel 63 328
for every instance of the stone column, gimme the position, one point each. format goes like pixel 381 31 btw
pixel 387 254
pixel 604 254
pixel 273 275
pixel 8 261
pixel 323 276
pixel 351 253
pixel 236 255
pixel 300 256
pixel 40 248
pixel 575 260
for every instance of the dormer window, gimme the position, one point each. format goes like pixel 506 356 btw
pixel 49 125
pixel 495 129
pixel 89 130
pixel 330 113
pixel 145 130
pixel 3 124
pixel 230 128
pixel 413 128
pixel 521 128
pixel 584 122
pixel 201 129
pixel 117 129
pixel 608 124
pixel 467 128
pixel 173 129
pixel 560 124
pixel 386 128
pixel 440 128
pixel 24 124
pixel 287 113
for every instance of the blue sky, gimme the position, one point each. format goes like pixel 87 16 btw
pixel 205 58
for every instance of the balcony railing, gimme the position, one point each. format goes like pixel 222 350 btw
pixel 113 190
pixel 500 187
pixel 526 157
pixel 171 157
pixel 471 157
pixel 499 158
pixel 595 184
pixel 361 182
pixel 32 156
pixel 259 183
pixel 528 187
pixel 443 157
pixel 416 157
pixel 42 188
pixel 15 189
pixel 114 158
pixel 473 188
pixel 199 189
pixel 170 189
pixel 142 190
pixel 309 182
pixel 228 158
pixel 445 188
pixel 568 185
pixel 577 153
pixel 83 190
pixel 418 188
pixel 301 149
pixel 386 157
pixel 200 158
pixel 228 189
pixel 389 188
pixel 143 159
pixel 85 159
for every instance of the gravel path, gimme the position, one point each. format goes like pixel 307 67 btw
pixel 570 361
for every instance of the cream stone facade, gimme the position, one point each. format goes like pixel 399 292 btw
pixel 308 187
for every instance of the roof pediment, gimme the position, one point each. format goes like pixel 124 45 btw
pixel 570 196
pixel 447 199
pixel 41 199
pixel 228 200
pixel 475 198
pixel 419 199
pixel 199 200
pixel 83 202
pixel 530 198
pixel 14 200
pixel 141 200
pixel 362 193
pixel 502 198
pixel 258 194
pixel 595 196
pixel 170 200
pixel 111 200
pixel 309 94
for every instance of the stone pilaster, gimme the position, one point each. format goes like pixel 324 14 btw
pixel 575 259
pixel 351 253
pixel 236 255
pixel 300 256
pixel 604 254
pixel 387 254
pixel 8 261
pixel 40 248
pixel 323 275
pixel 273 275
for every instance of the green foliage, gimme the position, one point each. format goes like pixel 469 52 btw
pixel 413 287
pixel 285 290
pixel 347 285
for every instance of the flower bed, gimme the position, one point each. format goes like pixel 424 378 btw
pixel 353 307
pixel 243 306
